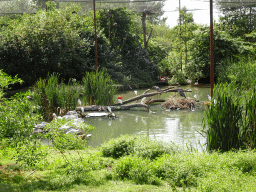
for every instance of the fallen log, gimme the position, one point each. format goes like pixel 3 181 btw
pixel 113 108
pixel 145 94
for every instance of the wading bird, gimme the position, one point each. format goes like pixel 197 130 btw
pixel 157 89
pixel 180 91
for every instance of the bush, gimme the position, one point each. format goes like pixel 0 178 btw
pixel 119 147
pixel 136 145
pixel 136 169
pixel 46 42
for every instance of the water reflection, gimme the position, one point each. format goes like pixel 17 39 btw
pixel 181 127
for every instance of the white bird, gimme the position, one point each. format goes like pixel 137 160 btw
pixel 135 92
pixel 196 82
pixel 142 100
pixel 209 97
pixel 109 109
pixel 79 102
pixel 54 115
pixel 195 96
pixel 120 101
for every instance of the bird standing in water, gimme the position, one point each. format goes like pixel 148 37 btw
pixel 180 91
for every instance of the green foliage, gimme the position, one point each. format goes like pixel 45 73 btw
pixel 178 77
pixel 50 96
pixel 136 169
pixel 237 18
pixel 224 115
pixel 249 132
pixel 62 141
pixel 224 47
pixel 136 145
pixel 47 42
pixel 126 56
pixel 6 80
pixel 99 88
pixel 241 72
pixel 30 153
pixel 177 170
pixel 20 122
pixel 119 147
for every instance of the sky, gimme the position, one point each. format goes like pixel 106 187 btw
pixel 200 16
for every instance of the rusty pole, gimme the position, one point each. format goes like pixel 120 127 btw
pixel 95 37
pixel 211 49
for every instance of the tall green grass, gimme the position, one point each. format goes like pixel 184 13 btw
pixel 224 118
pixel 249 131
pixel 50 95
pixel 99 89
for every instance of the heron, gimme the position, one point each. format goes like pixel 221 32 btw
pixel 157 89
pixel 180 91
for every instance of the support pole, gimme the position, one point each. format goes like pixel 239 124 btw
pixel 95 37
pixel 211 49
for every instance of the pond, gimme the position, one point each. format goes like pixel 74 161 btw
pixel 179 126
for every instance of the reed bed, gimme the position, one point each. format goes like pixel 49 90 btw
pixel 99 88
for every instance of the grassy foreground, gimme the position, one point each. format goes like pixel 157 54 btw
pixel 130 163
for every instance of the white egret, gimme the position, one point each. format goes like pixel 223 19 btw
pixel 209 97
pixel 79 102
pixel 142 100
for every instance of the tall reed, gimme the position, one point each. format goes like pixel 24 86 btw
pixel 249 131
pixel 98 87
pixel 50 95
pixel 224 118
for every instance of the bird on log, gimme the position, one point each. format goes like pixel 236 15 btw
pixel 180 91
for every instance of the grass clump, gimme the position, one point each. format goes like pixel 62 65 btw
pixel 136 145
pixel 224 119
pixel 99 88
pixel 50 95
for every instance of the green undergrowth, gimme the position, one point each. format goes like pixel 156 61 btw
pixel 127 164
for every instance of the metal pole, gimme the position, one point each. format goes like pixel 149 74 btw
pixel 180 40
pixel 212 51
pixel 95 37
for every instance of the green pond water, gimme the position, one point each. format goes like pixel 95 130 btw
pixel 179 126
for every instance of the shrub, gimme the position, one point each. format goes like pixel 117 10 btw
pixel 118 147
pixel 136 145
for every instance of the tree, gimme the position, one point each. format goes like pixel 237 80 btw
pixel 238 16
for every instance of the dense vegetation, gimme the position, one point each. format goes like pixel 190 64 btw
pixel 121 163
pixel 54 50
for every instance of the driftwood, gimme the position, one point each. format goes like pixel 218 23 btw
pixel 113 108
pixel 145 94
pixel 119 106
